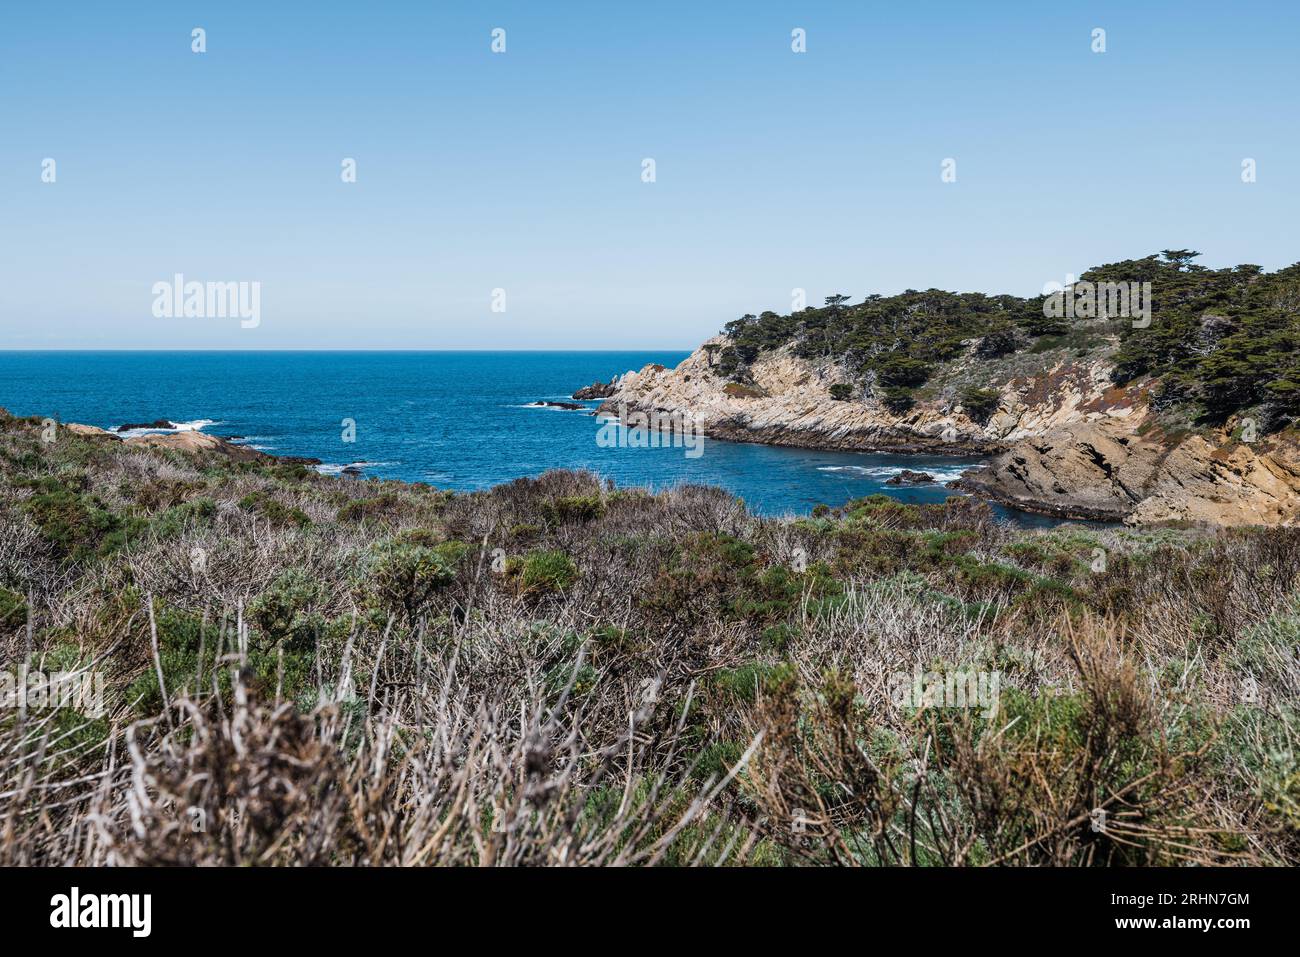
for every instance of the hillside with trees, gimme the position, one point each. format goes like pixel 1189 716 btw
pixel 1220 341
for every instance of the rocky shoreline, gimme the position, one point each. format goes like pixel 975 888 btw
pixel 190 440
pixel 1064 440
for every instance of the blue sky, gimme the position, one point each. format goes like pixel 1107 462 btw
pixel 522 170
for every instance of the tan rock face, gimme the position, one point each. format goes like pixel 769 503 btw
pixel 1105 471
pixel 793 406
pixel 76 428
pixel 196 442
pixel 790 404
pixel 1065 441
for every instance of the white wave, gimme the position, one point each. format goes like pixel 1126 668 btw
pixel 197 425
pixel 334 468
pixel 941 475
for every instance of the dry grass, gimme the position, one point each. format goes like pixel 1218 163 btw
pixel 303 670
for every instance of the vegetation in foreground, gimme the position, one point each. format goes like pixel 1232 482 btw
pixel 303 670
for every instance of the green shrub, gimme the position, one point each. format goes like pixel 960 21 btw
pixel 273 510
pixel 13 610
pixel 980 404
pixel 574 508
pixel 408 577
pixel 739 390
pixel 716 760
pixel 544 572
pixel 897 399
pixel 284 612
pixel 748 681
pixel 74 523
pixel 383 505
pixel 172 522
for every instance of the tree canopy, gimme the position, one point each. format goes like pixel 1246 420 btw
pixel 1220 340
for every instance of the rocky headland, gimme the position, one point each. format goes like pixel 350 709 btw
pixel 1065 442
pixel 1074 422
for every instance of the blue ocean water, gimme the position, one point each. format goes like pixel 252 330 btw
pixel 459 420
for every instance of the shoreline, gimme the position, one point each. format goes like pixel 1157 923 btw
pixel 190 438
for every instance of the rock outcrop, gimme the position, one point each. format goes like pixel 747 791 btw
pixel 198 442
pixel 1100 471
pixel 76 428
pixel 908 477
pixel 597 390
pixel 1064 439
pixel 789 403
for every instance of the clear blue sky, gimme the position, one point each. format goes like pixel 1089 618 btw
pixel 522 171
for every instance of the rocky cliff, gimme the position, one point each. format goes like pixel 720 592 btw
pixel 1063 440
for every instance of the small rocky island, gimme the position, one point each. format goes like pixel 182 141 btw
pixel 908 477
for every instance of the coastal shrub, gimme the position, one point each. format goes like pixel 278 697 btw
pixel 611 641
pixel 696 579
pixel 580 680
pixel 691 647
pixel 739 390
pixel 716 760
pixel 545 572
pixel 980 404
pixel 428 537
pixel 384 505
pixel 181 638
pixel 284 612
pixel 13 610
pixel 573 508
pixel 290 471
pixel 897 399
pixel 189 649
pixel 1001 339
pixel 841 392
pixel 408 577
pixel 73 522
pixel 267 506
pixel 748 681
pixel 777 637
pixel 172 522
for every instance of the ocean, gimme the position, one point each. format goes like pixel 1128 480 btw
pixel 457 420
